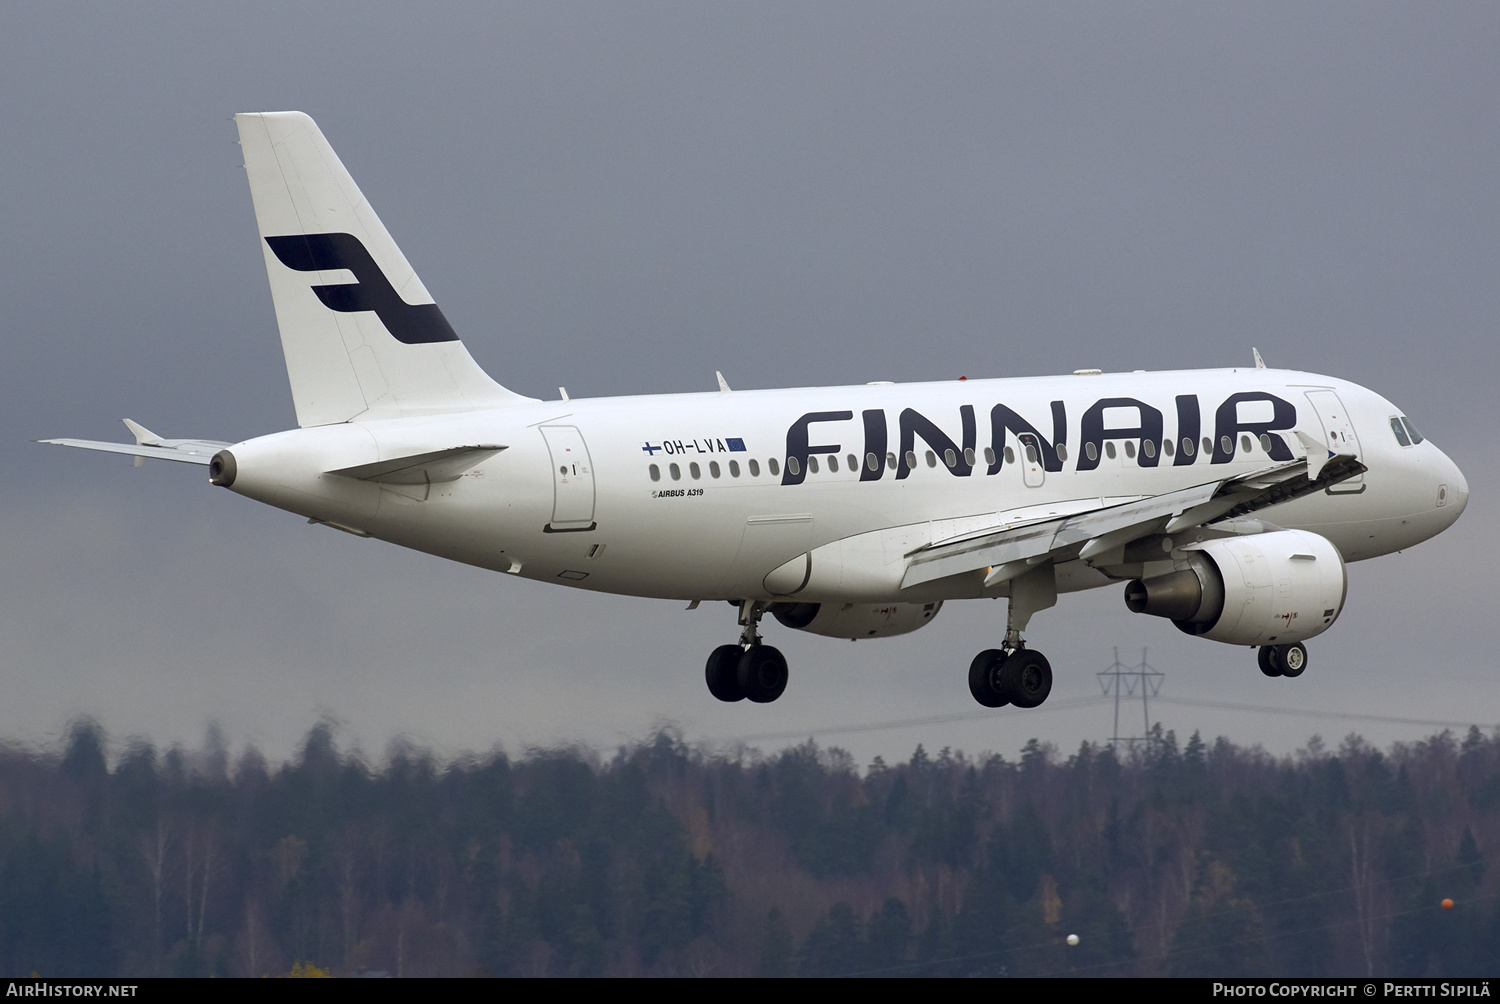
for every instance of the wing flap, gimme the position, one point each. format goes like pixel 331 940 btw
pixel 1035 542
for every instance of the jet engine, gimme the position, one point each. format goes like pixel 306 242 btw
pixel 1271 588
pixel 855 620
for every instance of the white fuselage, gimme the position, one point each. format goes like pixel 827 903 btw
pixel 573 499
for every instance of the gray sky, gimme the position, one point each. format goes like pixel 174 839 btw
pixel 622 198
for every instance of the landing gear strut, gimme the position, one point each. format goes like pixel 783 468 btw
pixel 1016 674
pixel 750 669
pixel 1282 660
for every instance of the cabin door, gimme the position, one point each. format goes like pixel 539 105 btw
pixel 1338 432
pixel 572 480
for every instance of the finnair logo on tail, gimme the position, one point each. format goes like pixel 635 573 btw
pixel 371 290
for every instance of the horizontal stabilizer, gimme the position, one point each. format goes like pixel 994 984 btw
pixel 422 468
pixel 148 445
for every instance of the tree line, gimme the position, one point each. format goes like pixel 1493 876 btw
pixel 668 859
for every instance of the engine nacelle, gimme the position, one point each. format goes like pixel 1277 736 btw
pixel 856 620
pixel 1269 588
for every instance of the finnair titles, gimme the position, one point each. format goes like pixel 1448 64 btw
pixel 1225 501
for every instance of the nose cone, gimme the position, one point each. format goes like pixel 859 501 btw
pixel 1458 491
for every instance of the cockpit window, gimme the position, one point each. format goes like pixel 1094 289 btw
pixel 1400 432
pixel 1416 437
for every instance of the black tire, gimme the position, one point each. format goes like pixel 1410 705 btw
pixel 762 673
pixel 1292 659
pixel 1026 678
pixel 1267 659
pixel 723 673
pixel 984 677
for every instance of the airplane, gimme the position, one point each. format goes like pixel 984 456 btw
pixel 1226 501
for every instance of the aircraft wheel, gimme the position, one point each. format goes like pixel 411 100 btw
pixel 984 678
pixel 762 673
pixel 1291 658
pixel 1266 656
pixel 723 673
pixel 1026 678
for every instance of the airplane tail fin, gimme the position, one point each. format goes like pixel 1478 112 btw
pixel 362 337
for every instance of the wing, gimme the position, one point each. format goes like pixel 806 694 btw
pixel 1098 534
pixel 148 445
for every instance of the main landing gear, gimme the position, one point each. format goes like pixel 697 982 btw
pixel 1283 660
pixel 750 669
pixel 998 678
pixel 1016 674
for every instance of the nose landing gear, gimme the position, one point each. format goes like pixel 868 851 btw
pixel 750 669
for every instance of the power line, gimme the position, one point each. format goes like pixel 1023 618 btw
pixel 1077 703
pixel 1314 713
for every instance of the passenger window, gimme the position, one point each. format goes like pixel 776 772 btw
pixel 1245 443
pixel 755 468
pixel 833 464
pixel 1031 454
pixel 1188 446
pixel 713 468
pixel 734 468
pixel 694 470
pixel 1166 447
pixel 1062 451
pixel 675 471
pixel 950 458
pixel 812 465
pixel 931 459
pixel 1208 445
pixel 989 455
pixel 1265 442
pixel 655 473
pixel 890 461
pixel 1088 448
pixel 969 457
pixel 872 462
pixel 1228 445
pixel 773 467
pixel 1130 449
pixel 1109 449
pixel 1149 449
pixel 1010 455
pixel 793 468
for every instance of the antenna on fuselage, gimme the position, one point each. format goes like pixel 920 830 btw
pixel 1260 363
pixel 723 384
